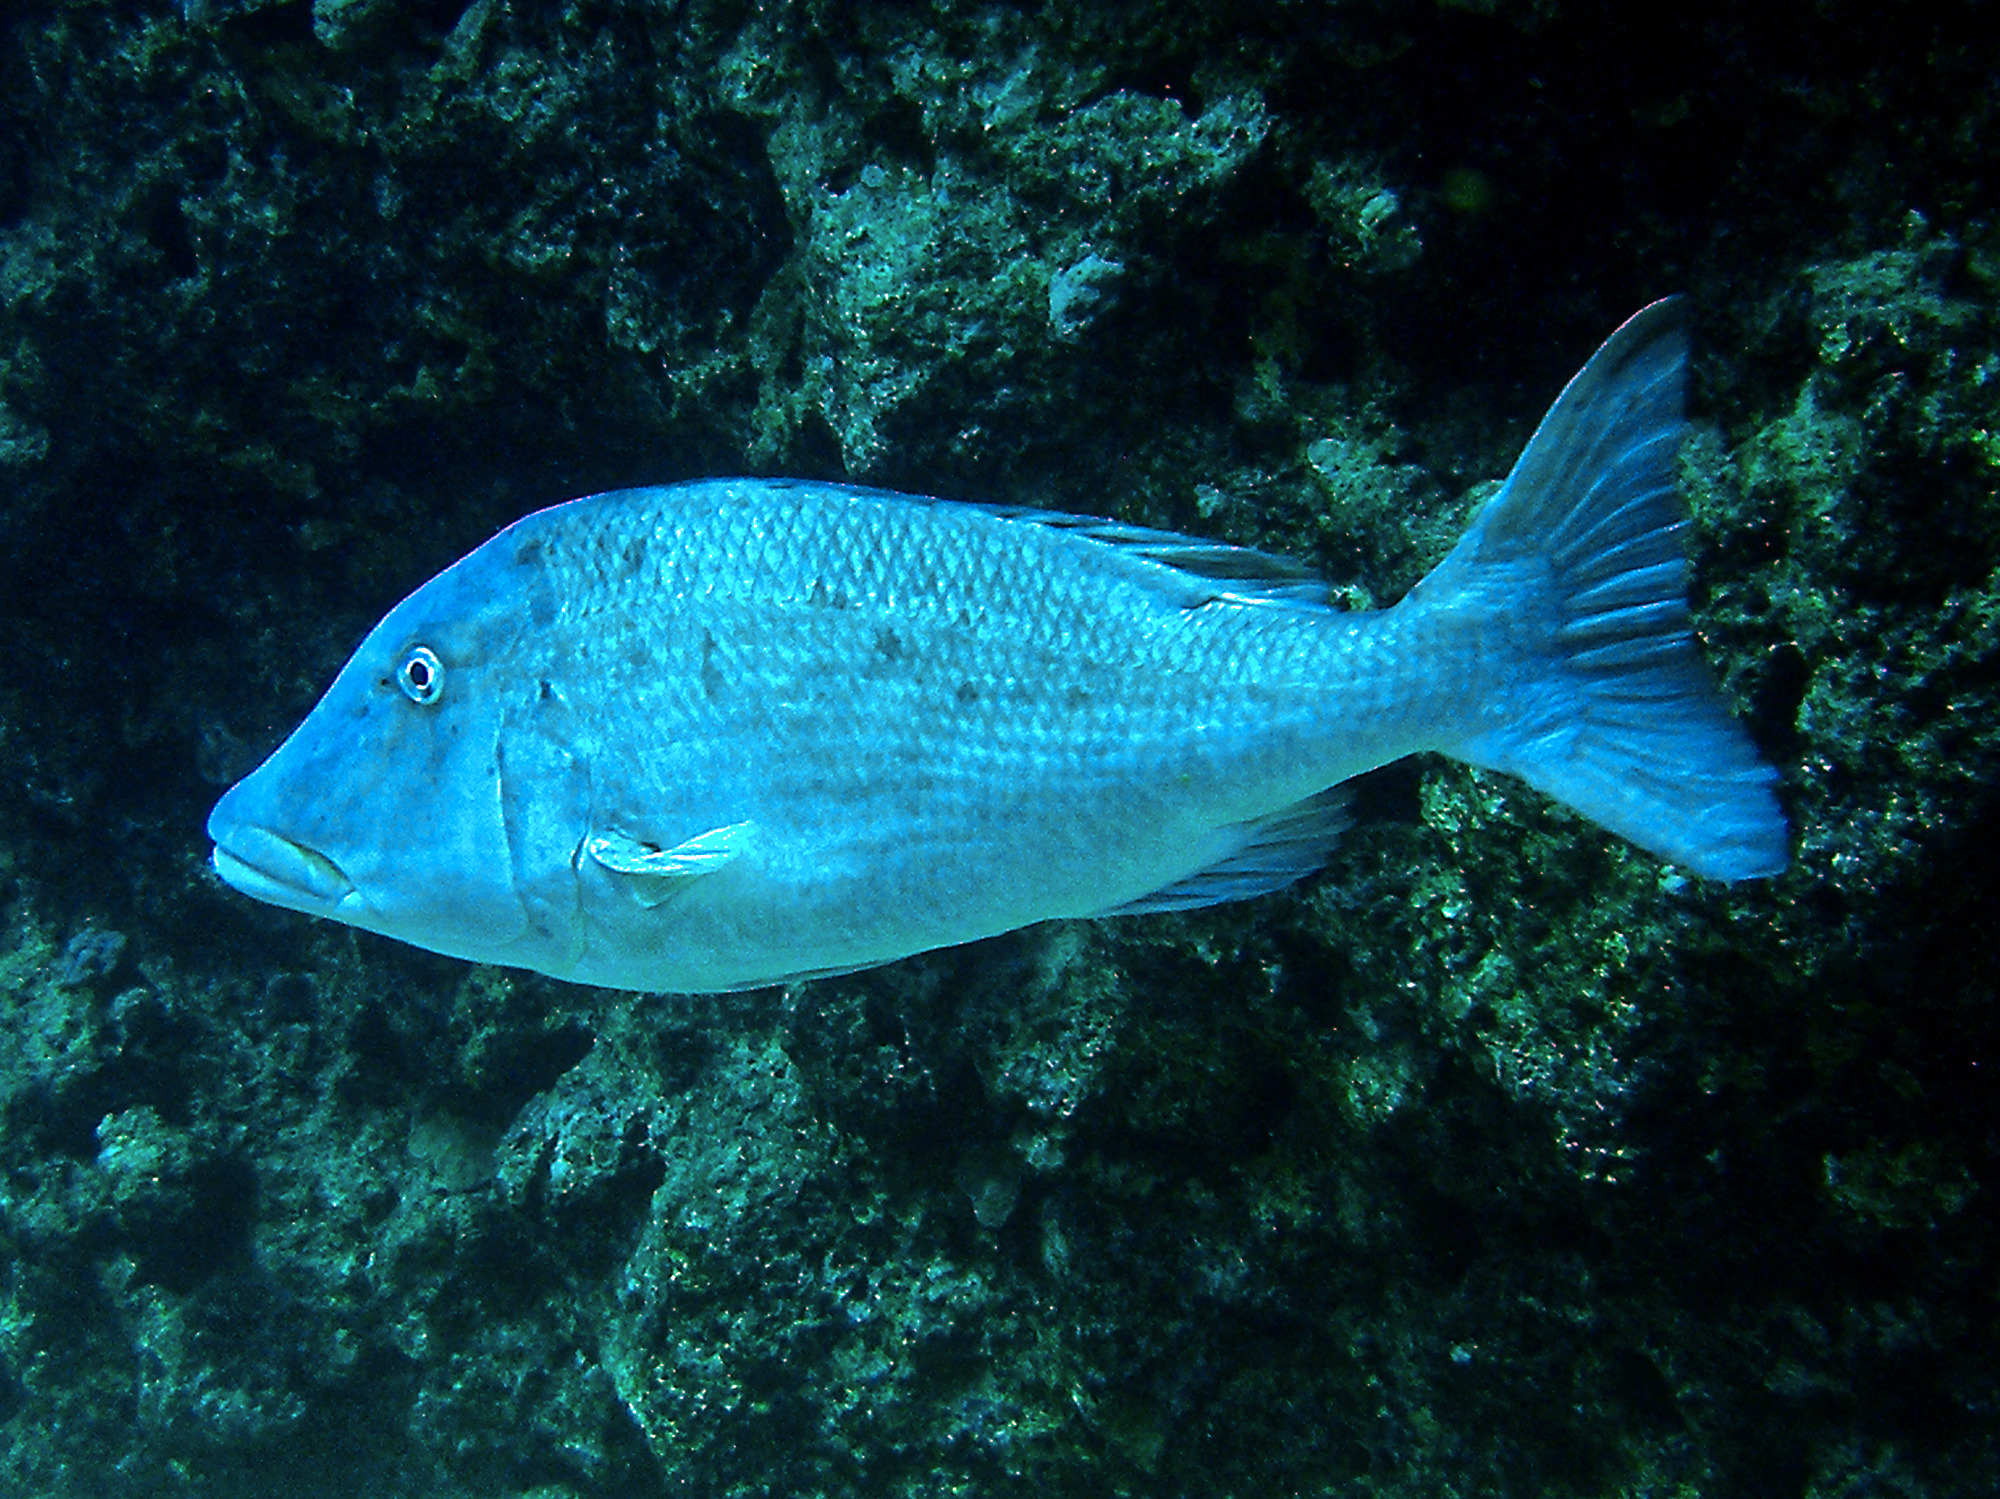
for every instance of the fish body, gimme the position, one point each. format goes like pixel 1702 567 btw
pixel 728 733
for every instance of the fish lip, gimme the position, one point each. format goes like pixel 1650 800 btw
pixel 270 867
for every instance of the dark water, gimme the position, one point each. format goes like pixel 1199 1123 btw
pixel 1497 1159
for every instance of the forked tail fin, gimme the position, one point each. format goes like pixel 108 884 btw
pixel 1602 700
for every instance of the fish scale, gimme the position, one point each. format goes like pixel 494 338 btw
pixel 1034 713
pixel 735 732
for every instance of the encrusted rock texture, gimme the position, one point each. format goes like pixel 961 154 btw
pixel 1497 1159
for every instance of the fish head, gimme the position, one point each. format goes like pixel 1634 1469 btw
pixel 383 809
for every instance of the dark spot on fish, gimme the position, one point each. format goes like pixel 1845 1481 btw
pixel 824 598
pixel 634 556
pixel 547 690
pixel 541 600
pixel 528 552
pixel 711 674
pixel 887 646
pixel 967 693
pixel 1075 697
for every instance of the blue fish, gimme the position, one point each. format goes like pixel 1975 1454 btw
pixel 729 733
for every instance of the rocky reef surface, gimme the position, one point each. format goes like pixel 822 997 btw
pixel 1499 1159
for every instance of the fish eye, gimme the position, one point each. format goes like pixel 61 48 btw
pixel 421 676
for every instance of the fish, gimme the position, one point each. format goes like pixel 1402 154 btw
pixel 730 733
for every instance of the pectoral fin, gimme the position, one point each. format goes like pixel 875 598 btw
pixel 655 873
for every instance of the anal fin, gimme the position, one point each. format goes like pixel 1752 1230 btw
pixel 1275 851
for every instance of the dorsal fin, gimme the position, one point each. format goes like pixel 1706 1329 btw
pixel 1248 573
pixel 1244 572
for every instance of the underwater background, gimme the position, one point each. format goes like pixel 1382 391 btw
pixel 1498 1159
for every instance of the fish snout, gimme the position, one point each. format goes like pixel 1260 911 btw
pixel 271 867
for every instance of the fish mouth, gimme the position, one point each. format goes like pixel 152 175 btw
pixel 271 867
